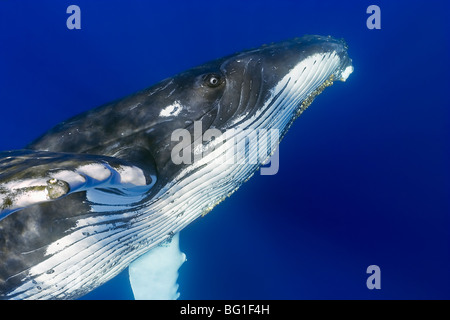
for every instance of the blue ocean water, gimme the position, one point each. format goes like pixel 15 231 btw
pixel 364 173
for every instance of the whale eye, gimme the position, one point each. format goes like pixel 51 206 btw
pixel 213 80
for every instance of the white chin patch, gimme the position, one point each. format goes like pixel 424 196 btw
pixel 348 71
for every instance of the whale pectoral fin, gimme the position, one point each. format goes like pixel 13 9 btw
pixel 153 276
pixel 29 177
pixel 66 216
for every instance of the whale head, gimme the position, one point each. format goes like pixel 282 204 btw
pixel 259 90
pixel 263 88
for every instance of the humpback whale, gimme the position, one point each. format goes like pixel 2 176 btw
pixel 100 191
